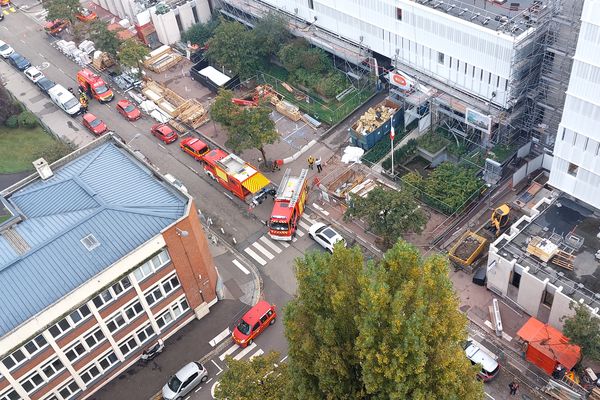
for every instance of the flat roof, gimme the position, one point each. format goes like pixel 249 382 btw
pixel 96 208
pixel 512 17
pixel 574 228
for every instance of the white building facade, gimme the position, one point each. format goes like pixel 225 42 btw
pixel 576 166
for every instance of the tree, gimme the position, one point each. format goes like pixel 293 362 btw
pixel 234 47
pixel 583 329
pixel 389 213
pixel 245 380
pixel 271 32
pixel 8 105
pixel 61 9
pixel 411 330
pixel 27 120
pixel 103 38
pixel 223 108
pixel 200 33
pixel 320 327
pixel 385 330
pixel 132 52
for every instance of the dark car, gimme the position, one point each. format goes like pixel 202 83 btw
pixel 19 62
pixel 45 84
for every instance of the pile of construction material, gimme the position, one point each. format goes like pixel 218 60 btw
pixel 162 59
pixel 80 55
pixel 102 60
pixel 180 112
pixel 374 118
pixel 289 110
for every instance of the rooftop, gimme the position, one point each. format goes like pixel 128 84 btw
pixel 511 17
pixel 99 206
pixel 573 229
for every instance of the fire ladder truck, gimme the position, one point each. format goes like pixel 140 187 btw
pixel 288 206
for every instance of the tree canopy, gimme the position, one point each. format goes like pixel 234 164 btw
pixel 247 127
pixel 390 213
pixel 385 330
pixel 61 9
pixel 583 329
pixel 201 32
pixel 132 52
pixel 271 32
pixel 245 380
pixel 103 38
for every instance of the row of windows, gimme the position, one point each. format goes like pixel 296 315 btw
pixel 25 352
pixel 66 392
pixel 10 394
pixel 41 375
pixel 125 315
pixel 172 313
pixel 136 339
pixel 151 266
pixel 84 346
pixel 70 321
pixel 112 293
pixel 98 367
pixel 162 289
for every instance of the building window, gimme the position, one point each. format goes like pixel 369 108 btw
pixel 108 361
pixel 195 12
pixel 128 345
pixel 41 375
pixel 548 298
pixel 179 25
pixel 154 296
pixel 481 76
pixel 162 289
pixel 473 72
pixel 172 312
pixel 10 395
pixel 69 391
pixel 311 4
pixel 465 68
pixel 440 58
pixel 90 242
pixel 90 374
pixel 144 334
pixel 75 351
pixel 94 338
pixel 490 79
pixel 124 316
pixel 112 293
pixel 152 265
pixel 398 13
pixel 572 169
pixel 450 62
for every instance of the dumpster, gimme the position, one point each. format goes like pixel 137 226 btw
pixel 375 124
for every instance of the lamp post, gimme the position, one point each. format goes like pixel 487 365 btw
pixel 137 135
pixel 181 233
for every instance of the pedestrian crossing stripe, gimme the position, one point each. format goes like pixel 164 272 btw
pixel 270 244
pixel 259 352
pixel 229 351
pixel 304 225
pixel 263 250
pixel 247 350
pixel 255 256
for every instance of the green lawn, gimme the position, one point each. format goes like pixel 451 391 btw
pixel 19 147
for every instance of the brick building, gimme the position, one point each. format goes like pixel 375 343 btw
pixel 99 257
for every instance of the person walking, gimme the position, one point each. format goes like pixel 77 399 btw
pixel 514 386
pixel 318 164
pixel 311 162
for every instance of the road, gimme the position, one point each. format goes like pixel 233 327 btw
pixel 274 260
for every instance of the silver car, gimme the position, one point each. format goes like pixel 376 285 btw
pixel 186 379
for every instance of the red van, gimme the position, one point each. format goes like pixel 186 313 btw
pixel 254 322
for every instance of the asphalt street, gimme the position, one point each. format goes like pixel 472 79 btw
pixel 243 229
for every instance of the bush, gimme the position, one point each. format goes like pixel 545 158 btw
pixel 330 85
pixel 12 121
pixel 401 155
pixel 432 142
pixel 55 151
pixel 27 119
pixel 377 152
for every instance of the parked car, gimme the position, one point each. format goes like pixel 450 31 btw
pixel 489 366
pixel 45 84
pixel 94 124
pixel 56 26
pixel 184 381
pixel 128 110
pixel 18 61
pixel 164 132
pixel 325 235
pixel 34 74
pixel 253 323
pixel 194 147
pixel 85 15
pixel 5 49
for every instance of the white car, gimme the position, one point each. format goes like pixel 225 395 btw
pixel 489 366
pixel 5 49
pixel 186 379
pixel 325 235
pixel 34 74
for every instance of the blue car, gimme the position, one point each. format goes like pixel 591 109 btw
pixel 19 62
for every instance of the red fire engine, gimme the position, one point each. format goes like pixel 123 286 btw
pixel 93 85
pixel 233 173
pixel 289 205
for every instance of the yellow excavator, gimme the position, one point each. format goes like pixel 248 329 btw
pixel 500 218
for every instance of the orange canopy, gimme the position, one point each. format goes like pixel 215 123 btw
pixel 547 346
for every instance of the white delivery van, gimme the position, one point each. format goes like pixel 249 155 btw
pixel 65 100
pixel 487 360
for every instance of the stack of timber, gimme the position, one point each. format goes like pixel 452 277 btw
pixel 162 59
pixel 564 260
pixel 374 118
pixel 192 113
pixel 102 61
pixel 289 110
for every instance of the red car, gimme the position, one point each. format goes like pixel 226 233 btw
pixel 164 132
pixel 253 323
pixel 56 26
pixel 128 110
pixel 85 15
pixel 194 147
pixel 94 124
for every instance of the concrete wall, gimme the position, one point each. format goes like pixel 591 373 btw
pixel 530 293
pixel 203 10
pixel 186 15
pixel 560 308
pixel 498 277
pixel 166 27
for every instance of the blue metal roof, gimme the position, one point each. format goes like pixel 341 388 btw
pixel 105 192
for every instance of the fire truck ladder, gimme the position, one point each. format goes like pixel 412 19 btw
pixel 297 189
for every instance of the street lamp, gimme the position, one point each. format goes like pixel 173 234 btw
pixel 182 233
pixel 137 135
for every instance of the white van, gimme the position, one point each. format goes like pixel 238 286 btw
pixel 65 100
pixel 475 354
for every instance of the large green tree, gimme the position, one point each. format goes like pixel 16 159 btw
pixel 385 330
pixel 390 213
pixel 61 9
pixel 262 378
pixel 103 38
pixel 200 33
pixel 223 109
pixel 132 52
pixel 234 46
pixel 271 32
pixel 583 329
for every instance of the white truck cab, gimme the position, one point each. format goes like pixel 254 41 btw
pixel 65 100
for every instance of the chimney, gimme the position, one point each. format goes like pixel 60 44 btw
pixel 43 169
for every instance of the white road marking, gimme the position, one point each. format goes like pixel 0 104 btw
pixel 256 257
pixel 229 351
pixel 217 365
pixel 247 350
pixel 198 389
pixel 263 250
pixel 489 396
pixel 219 338
pixel 240 266
pixel 284 244
pixel 259 352
pixel 283 359
pixel 294 239
pixel 163 147
pixel 269 243
pixel 299 232
pixel 304 225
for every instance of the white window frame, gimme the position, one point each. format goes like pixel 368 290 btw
pixel 87 376
pixel 152 265
pixel 10 391
pixel 146 330
pixel 83 342
pixel 122 314
pixel 173 310
pixel 69 387
pixel 25 352
pixel 71 321
pixel 111 358
pixel 40 371
pixel 127 342
pixel 152 293
pixel 111 293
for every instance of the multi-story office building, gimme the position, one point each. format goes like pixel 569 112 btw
pixel 99 258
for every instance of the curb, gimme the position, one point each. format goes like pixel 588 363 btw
pixel 299 152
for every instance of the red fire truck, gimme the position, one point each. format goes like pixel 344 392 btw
pixel 233 173
pixel 289 205
pixel 93 85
